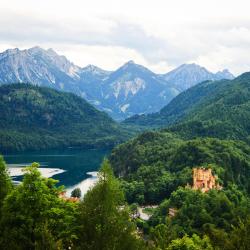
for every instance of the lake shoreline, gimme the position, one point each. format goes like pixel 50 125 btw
pixel 84 185
pixel 72 168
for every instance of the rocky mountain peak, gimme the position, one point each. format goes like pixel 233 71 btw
pixel 36 49
pixel 130 62
pixel 187 75
pixel 226 74
pixel 131 89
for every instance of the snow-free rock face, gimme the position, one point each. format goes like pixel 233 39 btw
pixel 37 66
pixel 131 89
pixel 224 74
pixel 188 75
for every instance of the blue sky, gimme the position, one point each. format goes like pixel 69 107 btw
pixel 159 34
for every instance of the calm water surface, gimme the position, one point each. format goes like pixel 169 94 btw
pixel 76 163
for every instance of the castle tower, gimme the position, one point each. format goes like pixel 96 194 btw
pixel 203 179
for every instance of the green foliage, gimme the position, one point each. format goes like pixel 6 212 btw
pixel 225 115
pixel 191 243
pixel 5 182
pixel 34 216
pixel 35 118
pixel 164 237
pixel 215 214
pixel 154 164
pixel 76 193
pixel 161 236
pixel 240 236
pixel 104 218
pixel 218 109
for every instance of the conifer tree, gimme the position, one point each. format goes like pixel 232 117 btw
pixel 104 217
pixel 76 193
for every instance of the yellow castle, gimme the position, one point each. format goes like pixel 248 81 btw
pixel 204 180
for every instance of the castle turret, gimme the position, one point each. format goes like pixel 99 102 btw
pixel 204 180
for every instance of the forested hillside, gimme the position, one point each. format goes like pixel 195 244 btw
pixel 217 109
pixel 129 90
pixel 103 220
pixel 155 164
pixel 180 106
pixel 36 117
pixel 155 168
pixel 224 115
pixel 152 168
pixel 205 126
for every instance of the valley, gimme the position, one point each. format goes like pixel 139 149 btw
pixel 131 89
pixel 124 125
pixel 35 118
pixel 134 178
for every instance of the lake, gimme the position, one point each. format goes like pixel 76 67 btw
pixel 72 167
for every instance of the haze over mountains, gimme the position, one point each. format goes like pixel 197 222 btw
pixel 129 90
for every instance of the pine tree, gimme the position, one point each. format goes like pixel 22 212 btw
pixel 104 218
pixel 76 193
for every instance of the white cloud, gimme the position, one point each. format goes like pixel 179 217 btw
pixel 100 55
pixel 160 34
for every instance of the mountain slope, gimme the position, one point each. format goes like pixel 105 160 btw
pixel 219 109
pixel 224 115
pixel 154 164
pixel 188 75
pixel 134 89
pixel 35 117
pixel 131 89
pixel 39 67
pixel 180 106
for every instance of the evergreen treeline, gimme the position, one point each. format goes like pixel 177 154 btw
pixel 219 109
pixel 208 126
pixel 155 164
pixel 34 118
pixel 153 168
pixel 33 216
pixel 220 218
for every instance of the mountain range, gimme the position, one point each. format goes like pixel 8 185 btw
pixel 206 125
pixel 188 75
pixel 129 90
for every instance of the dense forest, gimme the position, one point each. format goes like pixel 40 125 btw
pixel 216 109
pixel 34 216
pixel 155 164
pixel 35 117
pixel 180 106
pixel 205 126
pixel 208 127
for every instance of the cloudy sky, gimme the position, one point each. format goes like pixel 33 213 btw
pixel 160 34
